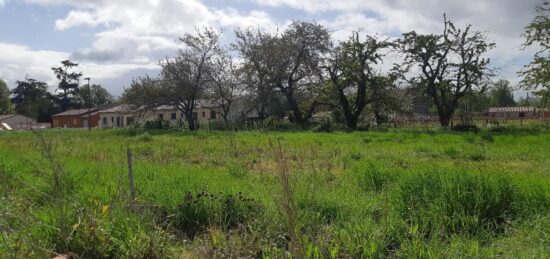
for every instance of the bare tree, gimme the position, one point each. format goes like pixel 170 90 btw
pixel 451 64
pixel 183 79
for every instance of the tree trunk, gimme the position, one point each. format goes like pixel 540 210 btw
pixel 191 122
pixel 351 121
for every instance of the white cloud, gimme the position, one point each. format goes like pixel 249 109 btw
pixel 37 64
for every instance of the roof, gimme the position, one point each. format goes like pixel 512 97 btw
pixel 119 108
pixel 512 109
pixel 7 116
pixel 74 112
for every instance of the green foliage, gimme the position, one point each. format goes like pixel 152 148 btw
pixel 537 73
pixel 392 193
pixel 202 210
pixel 6 107
pixel 31 98
pixel 445 203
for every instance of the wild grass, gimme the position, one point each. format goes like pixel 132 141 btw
pixel 383 193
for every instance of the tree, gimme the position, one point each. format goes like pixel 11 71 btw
pixel 183 80
pixel 390 98
pixel 351 74
pixel 290 63
pixel 94 95
pixel 254 47
pixel 6 107
pixel 537 34
pixel 68 84
pixel 32 98
pixel 452 65
pixel 501 94
pixel 226 84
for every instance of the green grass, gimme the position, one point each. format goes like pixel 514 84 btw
pixel 387 193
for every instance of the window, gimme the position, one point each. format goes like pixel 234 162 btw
pixel 173 116
pixel 104 121
pixel 118 121
pixel 129 120
pixel 203 114
pixel 522 114
pixel 161 116
pixel 212 115
pixel 113 120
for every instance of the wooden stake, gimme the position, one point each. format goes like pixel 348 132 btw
pixel 131 175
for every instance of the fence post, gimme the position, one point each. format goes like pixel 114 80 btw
pixel 131 175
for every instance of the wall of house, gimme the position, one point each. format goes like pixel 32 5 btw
pixel 109 120
pixel 67 121
pixel 116 120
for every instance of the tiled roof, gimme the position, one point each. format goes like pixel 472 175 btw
pixel 74 112
pixel 119 108
pixel 512 109
pixel 7 116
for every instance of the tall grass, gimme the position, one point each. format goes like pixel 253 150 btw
pixel 392 193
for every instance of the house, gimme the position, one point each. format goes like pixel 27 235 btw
pixel 118 117
pixel 76 118
pixel 514 113
pixel 17 122
pixel 125 115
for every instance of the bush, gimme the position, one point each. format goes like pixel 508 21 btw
pixel 203 210
pixel 465 128
pixel 372 177
pixel 468 203
pixel 157 124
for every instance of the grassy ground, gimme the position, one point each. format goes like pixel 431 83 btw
pixel 396 193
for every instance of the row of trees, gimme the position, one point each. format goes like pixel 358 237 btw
pixel 32 98
pixel 305 70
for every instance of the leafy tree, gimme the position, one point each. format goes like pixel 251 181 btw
pixel 6 107
pixel 452 65
pixel 537 34
pixel 94 95
pixel 32 98
pixel 351 72
pixel 68 84
pixel 390 99
pixel 253 46
pixel 501 94
pixel 290 63
pixel 225 84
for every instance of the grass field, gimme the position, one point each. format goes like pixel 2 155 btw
pixel 394 193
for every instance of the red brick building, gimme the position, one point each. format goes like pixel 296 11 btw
pixel 77 118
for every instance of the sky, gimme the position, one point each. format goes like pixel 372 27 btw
pixel 117 40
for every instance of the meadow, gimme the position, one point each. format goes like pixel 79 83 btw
pixel 420 193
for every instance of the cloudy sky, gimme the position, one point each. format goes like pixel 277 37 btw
pixel 115 40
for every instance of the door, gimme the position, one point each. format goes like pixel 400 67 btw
pixel 85 123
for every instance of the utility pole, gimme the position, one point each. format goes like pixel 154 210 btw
pixel 89 104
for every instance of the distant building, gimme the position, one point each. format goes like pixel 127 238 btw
pixel 125 115
pixel 17 122
pixel 511 113
pixel 77 118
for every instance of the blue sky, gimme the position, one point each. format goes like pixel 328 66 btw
pixel 115 40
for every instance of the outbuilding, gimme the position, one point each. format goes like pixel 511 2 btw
pixel 77 118
pixel 17 122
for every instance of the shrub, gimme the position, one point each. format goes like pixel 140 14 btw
pixel 203 210
pixel 373 177
pixel 465 128
pixel 458 202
